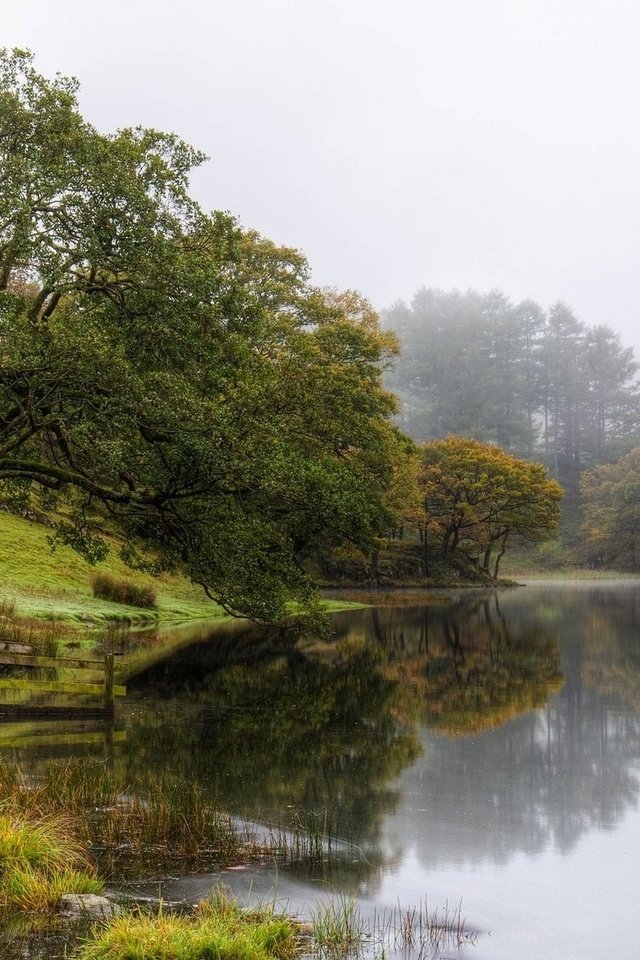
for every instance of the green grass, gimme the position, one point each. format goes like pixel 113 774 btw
pixel 40 859
pixel 339 930
pixel 57 584
pixel 219 930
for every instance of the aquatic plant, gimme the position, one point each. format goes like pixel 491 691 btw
pixel 414 928
pixel 45 637
pixel 219 929
pixel 127 827
pixel 130 828
pixel 339 930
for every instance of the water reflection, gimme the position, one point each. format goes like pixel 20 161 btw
pixel 287 736
pixel 470 666
pixel 468 730
pixel 484 747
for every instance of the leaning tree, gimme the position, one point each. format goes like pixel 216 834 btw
pixel 170 375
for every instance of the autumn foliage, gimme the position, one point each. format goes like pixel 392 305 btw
pixel 478 499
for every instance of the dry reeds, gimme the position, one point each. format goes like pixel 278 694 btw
pixel 44 636
pixel 340 931
pixel 133 831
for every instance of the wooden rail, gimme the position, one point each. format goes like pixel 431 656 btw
pixel 106 688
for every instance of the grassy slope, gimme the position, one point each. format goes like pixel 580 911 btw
pixel 58 584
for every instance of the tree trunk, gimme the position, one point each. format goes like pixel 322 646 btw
pixel 503 550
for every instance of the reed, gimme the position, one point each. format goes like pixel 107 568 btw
pixel 132 829
pixel 419 931
pixel 339 930
pixel 309 839
pixel 45 636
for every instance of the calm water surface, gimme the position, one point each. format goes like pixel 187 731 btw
pixel 483 748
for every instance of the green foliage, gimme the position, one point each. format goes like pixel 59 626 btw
pixel 123 591
pixel 477 498
pixel 611 514
pixel 173 369
pixel 89 545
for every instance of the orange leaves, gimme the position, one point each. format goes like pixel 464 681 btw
pixel 477 495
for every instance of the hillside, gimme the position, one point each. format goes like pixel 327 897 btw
pixel 57 584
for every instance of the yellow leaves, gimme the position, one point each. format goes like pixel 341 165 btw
pixel 477 494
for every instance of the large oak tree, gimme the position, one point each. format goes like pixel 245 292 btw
pixel 168 370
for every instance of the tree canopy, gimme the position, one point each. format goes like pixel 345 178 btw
pixel 169 371
pixel 541 384
pixel 477 498
pixel 611 513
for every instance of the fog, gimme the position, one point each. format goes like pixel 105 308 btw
pixel 466 143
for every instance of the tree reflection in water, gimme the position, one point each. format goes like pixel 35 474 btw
pixel 545 778
pixel 454 729
pixel 327 729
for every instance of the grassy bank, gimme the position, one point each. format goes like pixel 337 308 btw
pixel 218 929
pixel 57 584
pixel 50 824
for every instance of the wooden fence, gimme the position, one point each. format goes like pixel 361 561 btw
pixel 21 655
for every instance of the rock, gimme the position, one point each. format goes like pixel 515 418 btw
pixel 85 905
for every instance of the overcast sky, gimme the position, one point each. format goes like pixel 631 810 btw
pixel 483 143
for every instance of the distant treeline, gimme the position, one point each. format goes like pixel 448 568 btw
pixel 541 384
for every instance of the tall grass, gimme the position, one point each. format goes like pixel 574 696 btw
pixel 341 931
pixel 107 587
pixel 40 860
pixel 130 830
pixel 45 637
pixel 134 830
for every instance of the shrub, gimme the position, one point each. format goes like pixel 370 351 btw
pixel 7 609
pixel 106 587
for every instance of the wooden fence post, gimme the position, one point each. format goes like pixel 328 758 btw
pixel 109 703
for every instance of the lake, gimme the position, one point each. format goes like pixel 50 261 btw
pixel 482 748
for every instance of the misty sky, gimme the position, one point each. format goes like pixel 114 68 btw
pixel 484 143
